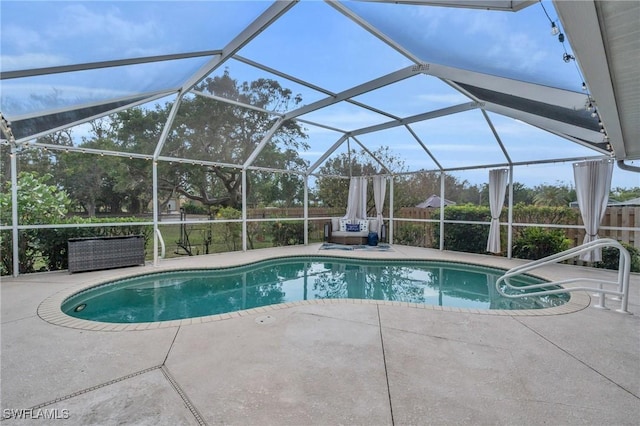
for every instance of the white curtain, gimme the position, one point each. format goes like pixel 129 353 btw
pixel 357 202
pixel 379 192
pixel 497 191
pixel 593 181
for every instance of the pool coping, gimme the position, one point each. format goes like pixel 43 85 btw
pixel 50 308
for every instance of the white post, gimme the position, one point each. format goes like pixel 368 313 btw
pixel 442 179
pixel 306 210
pixel 154 169
pixel 510 225
pixel 390 231
pixel 14 209
pixel 244 209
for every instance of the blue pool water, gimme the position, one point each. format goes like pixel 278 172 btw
pixel 186 294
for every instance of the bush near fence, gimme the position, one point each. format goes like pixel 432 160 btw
pixel 52 249
pixel 626 217
pixel 47 248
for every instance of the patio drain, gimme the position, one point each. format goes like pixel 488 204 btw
pixel 265 319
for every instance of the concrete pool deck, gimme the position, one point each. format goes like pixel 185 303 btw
pixel 323 363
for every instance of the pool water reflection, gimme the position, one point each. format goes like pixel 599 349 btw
pixel 186 294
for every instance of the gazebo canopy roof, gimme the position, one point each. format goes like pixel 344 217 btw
pixel 434 202
pixel 481 78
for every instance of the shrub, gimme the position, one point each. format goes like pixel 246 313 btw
pixel 611 257
pixel 232 234
pixel 525 213
pixel 287 233
pixel 464 237
pixel 191 208
pixel 38 203
pixel 536 243
pixel 47 248
pixel 410 235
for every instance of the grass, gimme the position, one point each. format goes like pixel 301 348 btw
pixel 224 237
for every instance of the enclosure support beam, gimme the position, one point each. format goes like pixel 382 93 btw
pixel 163 137
pixel 391 209
pixel 416 118
pixel 261 23
pixel 326 154
pixel 371 154
pixel 306 210
pixel 443 176
pixel 154 176
pixel 510 226
pixel 244 209
pixel 272 131
pixel 14 209
pixel 496 135
pixel 415 136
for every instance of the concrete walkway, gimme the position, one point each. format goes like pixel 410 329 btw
pixel 318 363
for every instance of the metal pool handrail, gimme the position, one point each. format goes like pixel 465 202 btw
pixel 162 248
pixel 624 268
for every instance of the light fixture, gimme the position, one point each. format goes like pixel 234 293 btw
pixel 554 29
pixel 584 86
pixel 589 106
pixel 594 113
pixel 561 38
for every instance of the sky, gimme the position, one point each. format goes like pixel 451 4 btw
pixel 317 44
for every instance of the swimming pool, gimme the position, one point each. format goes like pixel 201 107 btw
pixel 174 295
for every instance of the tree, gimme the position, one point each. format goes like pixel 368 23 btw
pixel 38 203
pixel 414 189
pixel 553 195
pixel 521 194
pixel 96 181
pixel 625 194
pixel 215 131
pixel 334 192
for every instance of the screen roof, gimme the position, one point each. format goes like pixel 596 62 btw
pixel 419 77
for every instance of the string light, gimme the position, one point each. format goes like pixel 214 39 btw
pixel 590 104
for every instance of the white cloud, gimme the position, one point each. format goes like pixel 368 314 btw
pixel 514 127
pixel 345 118
pixel 87 22
pixel 21 38
pixel 446 99
pixel 312 154
pixel 482 23
pixel 126 37
pixel 464 148
pixel 30 60
pixel 406 147
pixel 22 98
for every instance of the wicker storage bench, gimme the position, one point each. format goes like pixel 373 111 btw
pixel 90 254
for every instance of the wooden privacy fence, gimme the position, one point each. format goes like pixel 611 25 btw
pixel 291 212
pixel 621 217
pixel 626 219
